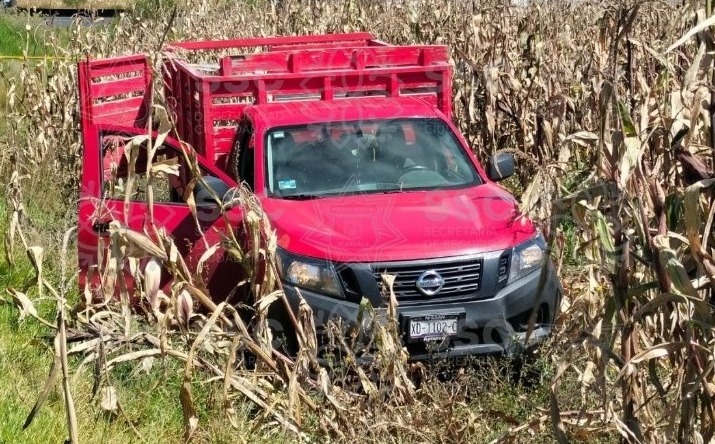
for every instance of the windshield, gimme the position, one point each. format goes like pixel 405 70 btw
pixel 365 157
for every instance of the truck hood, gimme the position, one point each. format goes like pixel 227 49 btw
pixel 400 226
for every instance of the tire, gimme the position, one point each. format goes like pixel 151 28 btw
pixel 285 337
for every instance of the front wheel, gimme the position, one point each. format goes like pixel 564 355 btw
pixel 285 338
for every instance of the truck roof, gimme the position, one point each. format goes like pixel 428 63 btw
pixel 318 111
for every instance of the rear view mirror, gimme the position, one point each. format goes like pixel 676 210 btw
pixel 204 195
pixel 501 166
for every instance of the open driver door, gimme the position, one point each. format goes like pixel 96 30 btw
pixel 115 103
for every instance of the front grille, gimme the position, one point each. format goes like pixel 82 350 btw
pixel 503 268
pixel 462 278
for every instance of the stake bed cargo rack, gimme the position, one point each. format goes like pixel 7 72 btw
pixel 207 99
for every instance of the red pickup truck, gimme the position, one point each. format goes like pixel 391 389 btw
pixel 348 144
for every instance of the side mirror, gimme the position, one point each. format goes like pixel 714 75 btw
pixel 501 166
pixel 204 196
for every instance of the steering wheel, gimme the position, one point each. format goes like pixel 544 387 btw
pixel 414 168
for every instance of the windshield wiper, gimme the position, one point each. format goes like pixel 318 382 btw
pixel 301 196
pixel 390 188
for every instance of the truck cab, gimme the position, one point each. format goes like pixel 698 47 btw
pixel 348 144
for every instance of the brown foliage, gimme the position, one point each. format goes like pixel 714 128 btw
pixel 612 133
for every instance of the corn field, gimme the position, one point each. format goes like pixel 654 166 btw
pixel 609 109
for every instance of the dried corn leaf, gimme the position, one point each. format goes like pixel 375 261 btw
pixel 705 24
pixel 23 303
pixel 152 282
pixel 134 244
pixel 691 213
pixel 681 283
pixel 168 167
pixel 109 401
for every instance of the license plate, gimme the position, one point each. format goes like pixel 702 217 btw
pixel 433 327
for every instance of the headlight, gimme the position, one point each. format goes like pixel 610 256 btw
pixel 526 258
pixel 311 274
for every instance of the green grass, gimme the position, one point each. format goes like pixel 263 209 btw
pixel 151 7
pixel 17 43
pixel 24 362
pixel 149 400
pixel 15 38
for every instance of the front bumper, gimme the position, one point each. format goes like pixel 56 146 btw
pixel 495 325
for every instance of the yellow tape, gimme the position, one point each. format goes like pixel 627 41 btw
pixel 2 57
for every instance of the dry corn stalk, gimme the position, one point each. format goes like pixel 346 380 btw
pixel 586 95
